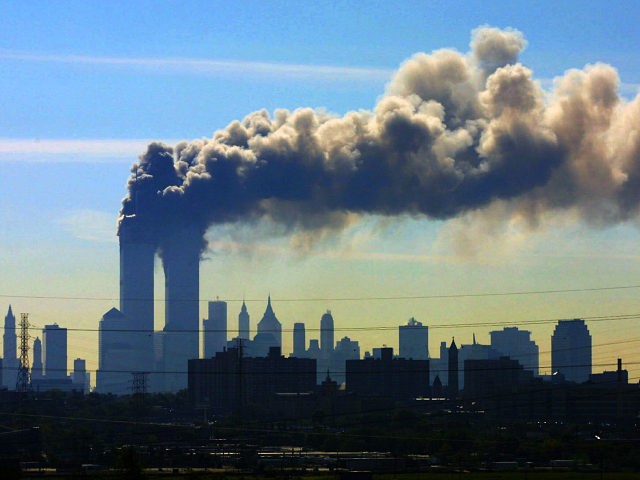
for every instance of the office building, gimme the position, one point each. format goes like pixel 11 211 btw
pixel 299 340
pixel 571 350
pixel 54 351
pixel 230 381
pixel 399 378
pixel 114 347
pixel 269 331
pixel 243 323
pixel 452 383
pixel 36 367
pixel 413 339
pixel 80 378
pixel 10 362
pixel 517 345
pixel 215 329
pixel 326 333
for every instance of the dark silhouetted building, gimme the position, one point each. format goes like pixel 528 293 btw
pixel 10 362
pixel 243 323
pixel 36 368
pixel 326 333
pixel 571 350
pixel 399 378
pixel 215 329
pixel 269 332
pixel 180 339
pixel 114 359
pixel 452 385
pixel 229 381
pixel 517 345
pixel 54 351
pixel 414 340
pixel 346 349
pixel 299 340
pixel 473 351
pixel 137 256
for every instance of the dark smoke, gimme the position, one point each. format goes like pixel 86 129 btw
pixel 454 133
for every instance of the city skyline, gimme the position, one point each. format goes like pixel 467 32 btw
pixel 77 116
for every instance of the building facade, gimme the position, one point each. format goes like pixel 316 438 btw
pixel 54 351
pixel 517 345
pixel 413 339
pixel 215 329
pixel 571 350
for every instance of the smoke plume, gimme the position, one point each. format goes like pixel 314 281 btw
pixel 453 134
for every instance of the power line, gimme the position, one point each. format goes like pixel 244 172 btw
pixel 342 299
pixel 598 318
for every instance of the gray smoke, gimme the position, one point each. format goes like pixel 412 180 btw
pixel 454 133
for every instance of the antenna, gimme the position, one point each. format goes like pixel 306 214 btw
pixel 23 382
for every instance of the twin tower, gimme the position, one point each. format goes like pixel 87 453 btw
pixel 129 346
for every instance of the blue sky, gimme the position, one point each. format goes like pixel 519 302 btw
pixel 84 85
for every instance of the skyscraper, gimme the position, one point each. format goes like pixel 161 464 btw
pixel 36 369
pixel 299 340
pixel 269 325
pixel 571 350
pixel 414 340
pixel 215 329
pixel 181 339
pixel 114 367
pixel 453 369
pixel 54 349
pixel 326 333
pixel 243 322
pixel 10 360
pixel 137 256
pixel 517 345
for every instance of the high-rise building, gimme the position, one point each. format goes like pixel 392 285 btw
pixel 80 378
pixel 243 322
pixel 114 347
pixel 269 325
pixel 346 349
pixel 36 368
pixel 326 333
pixel 215 329
pixel 517 345
pixel 571 350
pixel 137 256
pixel 473 351
pixel 181 339
pixel 10 362
pixel 387 376
pixel 453 369
pixel 54 349
pixel 414 340
pixel 299 340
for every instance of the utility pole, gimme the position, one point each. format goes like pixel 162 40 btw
pixel 23 382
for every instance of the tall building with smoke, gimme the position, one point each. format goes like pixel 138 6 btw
pixel 10 360
pixel 571 350
pixel 181 261
pixel 413 339
pixel 215 329
pixel 137 256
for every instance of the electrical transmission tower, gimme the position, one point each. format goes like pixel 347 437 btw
pixel 23 382
pixel 140 383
